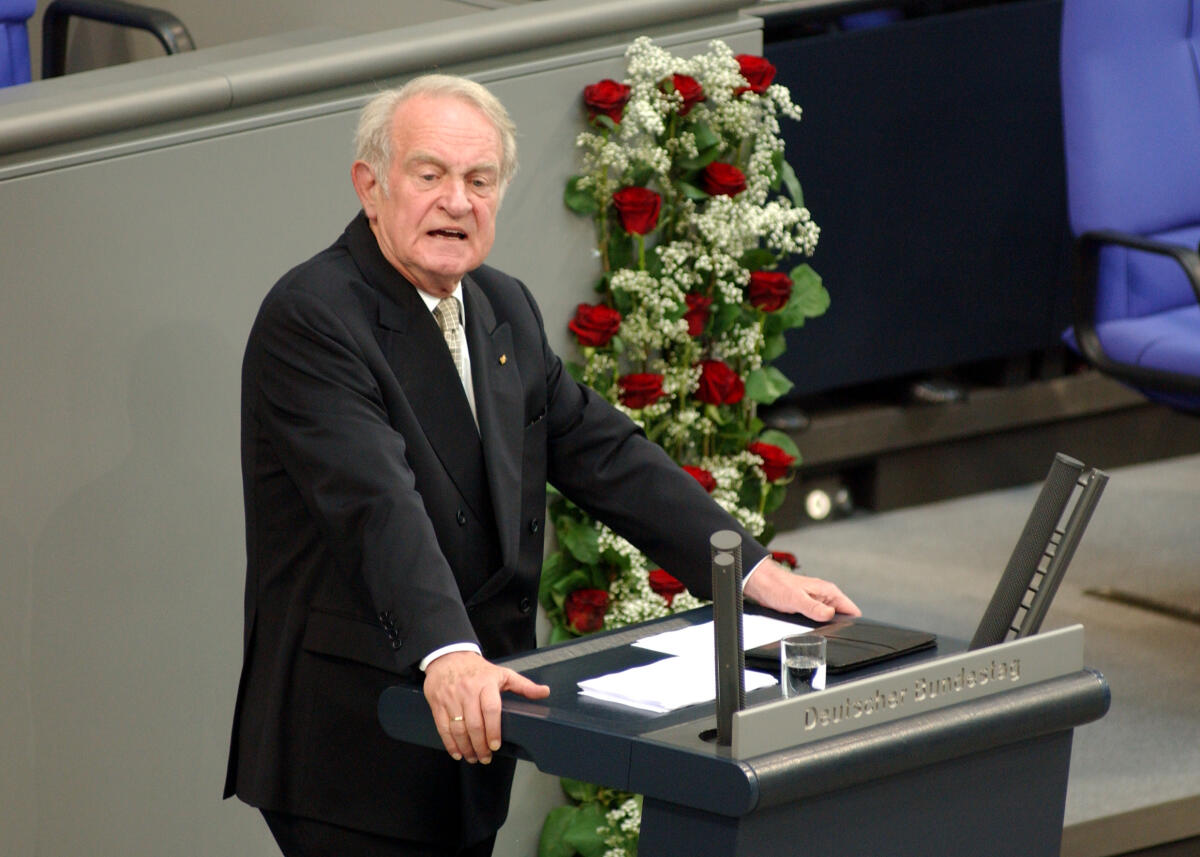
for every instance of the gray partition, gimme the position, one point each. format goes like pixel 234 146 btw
pixel 132 265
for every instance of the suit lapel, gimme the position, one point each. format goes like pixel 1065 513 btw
pixel 418 357
pixel 499 403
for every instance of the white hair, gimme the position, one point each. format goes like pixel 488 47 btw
pixel 373 139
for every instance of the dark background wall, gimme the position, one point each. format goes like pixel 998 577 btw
pixel 930 153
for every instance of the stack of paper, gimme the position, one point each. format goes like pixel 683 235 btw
pixel 688 677
pixel 665 685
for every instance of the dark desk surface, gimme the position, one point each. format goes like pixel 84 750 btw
pixel 622 747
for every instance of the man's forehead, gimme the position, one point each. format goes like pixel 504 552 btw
pixel 428 112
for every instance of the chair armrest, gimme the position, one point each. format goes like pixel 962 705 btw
pixel 1087 256
pixel 164 26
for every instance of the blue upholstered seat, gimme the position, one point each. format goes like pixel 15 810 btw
pixel 1131 121
pixel 14 40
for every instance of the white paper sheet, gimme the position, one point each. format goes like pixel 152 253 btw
pixel 665 685
pixel 697 639
pixel 688 677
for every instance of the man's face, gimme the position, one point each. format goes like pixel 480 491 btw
pixel 438 219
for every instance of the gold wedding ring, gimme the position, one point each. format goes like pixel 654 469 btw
pixel 456 719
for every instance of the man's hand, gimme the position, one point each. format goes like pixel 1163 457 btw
pixel 463 692
pixel 774 586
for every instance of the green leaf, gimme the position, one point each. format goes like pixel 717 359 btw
pixel 580 540
pixel 773 346
pixel 727 316
pixel 653 263
pixel 702 160
pixel 552 842
pixel 766 384
pixel 603 120
pixel 560 634
pixel 582 832
pixel 580 201
pixel 623 301
pixel 706 138
pixel 621 251
pixel 575 371
pixel 757 259
pixel 788 175
pixel 784 441
pixel 578 790
pixel 776 165
pixel 735 437
pixel 691 191
pixel 577 578
pixel 641 177
pixel 749 493
pixel 775 496
pixel 808 293
pixel 552 570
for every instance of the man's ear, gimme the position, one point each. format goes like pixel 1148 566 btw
pixel 366 186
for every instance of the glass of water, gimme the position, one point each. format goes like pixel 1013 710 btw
pixel 801 662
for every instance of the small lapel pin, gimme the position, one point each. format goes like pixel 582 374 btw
pixel 503 359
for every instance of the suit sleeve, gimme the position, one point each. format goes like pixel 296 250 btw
pixel 605 464
pixel 319 405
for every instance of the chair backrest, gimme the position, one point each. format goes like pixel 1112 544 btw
pixel 1131 124
pixel 14 40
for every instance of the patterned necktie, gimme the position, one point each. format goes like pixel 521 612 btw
pixel 447 315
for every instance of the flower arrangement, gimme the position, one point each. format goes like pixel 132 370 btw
pixel 695 210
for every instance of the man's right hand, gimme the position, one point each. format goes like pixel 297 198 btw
pixel 463 691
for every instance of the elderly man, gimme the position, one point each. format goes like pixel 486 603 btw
pixel 401 416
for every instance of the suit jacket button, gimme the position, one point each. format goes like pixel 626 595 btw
pixel 526 605
pixel 535 525
pixel 461 517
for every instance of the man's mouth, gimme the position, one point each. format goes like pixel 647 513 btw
pixel 449 233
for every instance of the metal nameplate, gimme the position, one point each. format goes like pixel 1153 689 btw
pixel 901 693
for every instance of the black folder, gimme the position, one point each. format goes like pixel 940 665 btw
pixel 851 643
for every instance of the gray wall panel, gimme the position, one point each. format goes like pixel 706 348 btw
pixel 128 286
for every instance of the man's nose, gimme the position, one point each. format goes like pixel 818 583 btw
pixel 455 201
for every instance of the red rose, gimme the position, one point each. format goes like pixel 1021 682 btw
pixel 758 73
pixel 770 290
pixel 595 325
pixel 665 585
pixel 689 90
pixel 638 208
pixel 706 480
pixel 775 461
pixel 720 179
pixel 585 609
pixel 719 385
pixel 785 558
pixel 607 97
pixel 640 389
pixel 697 313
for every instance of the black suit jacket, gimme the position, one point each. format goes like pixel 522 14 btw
pixel 380 525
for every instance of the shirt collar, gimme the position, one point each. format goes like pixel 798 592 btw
pixel 431 302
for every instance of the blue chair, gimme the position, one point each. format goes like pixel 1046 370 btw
pixel 14 40
pixel 14 34
pixel 1131 122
